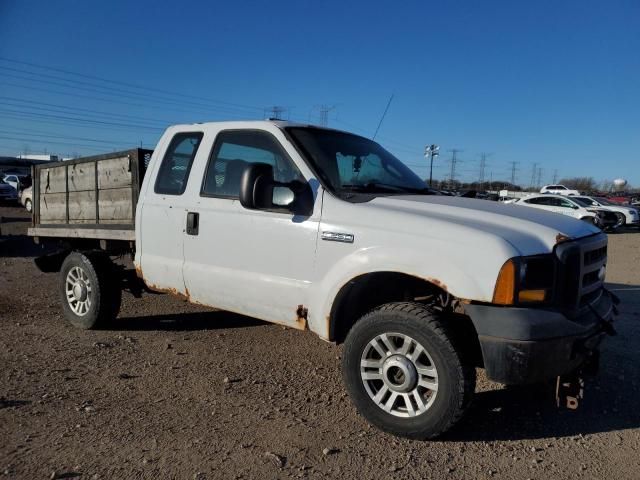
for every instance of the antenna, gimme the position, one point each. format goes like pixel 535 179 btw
pixel 382 118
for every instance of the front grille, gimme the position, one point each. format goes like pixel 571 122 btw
pixel 579 282
pixel 596 255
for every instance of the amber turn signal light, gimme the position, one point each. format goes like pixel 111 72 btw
pixel 506 284
pixel 532 295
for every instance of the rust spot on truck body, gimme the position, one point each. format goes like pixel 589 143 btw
pixel 171 291
pixel 301 317
pixel 139 272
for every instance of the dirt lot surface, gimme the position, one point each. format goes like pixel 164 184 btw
pixel 177 391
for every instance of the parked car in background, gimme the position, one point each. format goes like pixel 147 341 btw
pixel 558 190
pixel 624 215
pixel 17 180
pixel 567 206
pixel 26 198
pixel 8 193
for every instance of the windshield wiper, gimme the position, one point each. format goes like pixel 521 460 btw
pixel 385 187
pixel 372 187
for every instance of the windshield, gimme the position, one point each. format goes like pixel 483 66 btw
pixel 604 201
pixel 585 202
pixel 355 164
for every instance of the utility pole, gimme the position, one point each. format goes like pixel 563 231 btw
pixel 513 172
pixel 431 151
pixel 555 176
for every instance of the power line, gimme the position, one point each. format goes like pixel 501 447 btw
pixel 119 101
pixel 79 119
pixel 74 110
pixel 130 95
pixel 34 134
pixel 144 88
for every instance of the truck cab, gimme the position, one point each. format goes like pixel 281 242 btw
pixel 324 230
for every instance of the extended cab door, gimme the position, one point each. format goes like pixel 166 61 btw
pixel 161 216
pixel 254 262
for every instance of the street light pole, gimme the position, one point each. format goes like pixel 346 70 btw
pixel 431 151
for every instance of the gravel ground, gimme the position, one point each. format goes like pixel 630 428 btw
pixel 178 391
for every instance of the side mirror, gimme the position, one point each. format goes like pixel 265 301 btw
pixel 575 207
pixel 260 191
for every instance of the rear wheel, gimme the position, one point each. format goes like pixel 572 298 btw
pixel 404 373
pixel 89 293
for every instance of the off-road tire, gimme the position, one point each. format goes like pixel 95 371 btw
pixel 106 294
pixel 456 377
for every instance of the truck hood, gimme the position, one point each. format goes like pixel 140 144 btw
pixel 529 230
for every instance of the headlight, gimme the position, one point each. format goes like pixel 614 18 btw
pixel 525 280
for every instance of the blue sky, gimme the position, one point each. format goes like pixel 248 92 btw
pixel 554 83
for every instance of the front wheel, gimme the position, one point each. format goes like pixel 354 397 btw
pixel 403 372
pixel 28 205
pixel 89 291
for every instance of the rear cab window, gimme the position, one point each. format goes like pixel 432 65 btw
pixel 176 164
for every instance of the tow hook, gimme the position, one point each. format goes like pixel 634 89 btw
pixel 570 387
pixel 569 391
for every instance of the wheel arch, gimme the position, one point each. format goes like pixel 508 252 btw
pixel 365 292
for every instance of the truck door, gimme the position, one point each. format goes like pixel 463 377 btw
pixel 161 220
pixel 253 262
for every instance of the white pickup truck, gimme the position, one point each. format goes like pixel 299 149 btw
pixel 324 230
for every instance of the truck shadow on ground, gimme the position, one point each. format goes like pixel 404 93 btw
pixel 212 320
pixel 530 412
pixel 13 246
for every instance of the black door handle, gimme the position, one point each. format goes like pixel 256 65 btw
pixel 193 221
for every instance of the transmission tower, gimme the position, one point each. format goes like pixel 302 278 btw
pixel 454 161
pixel 513 172
pixel 539 180
pixel 276 112
pixel 324 114
pixel 555 176
pixel 483 165
pixel 534 172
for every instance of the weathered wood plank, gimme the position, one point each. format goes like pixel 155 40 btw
pixel 115 204
pixel 82 176
pixel 53 180
pixel 53 206
pixel 114 173
pixel 82 206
